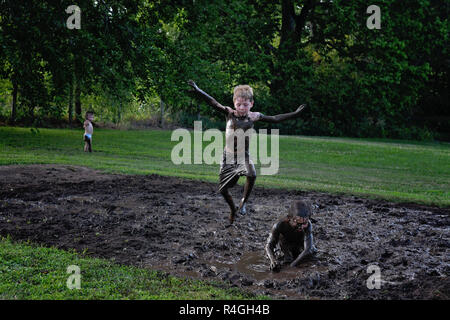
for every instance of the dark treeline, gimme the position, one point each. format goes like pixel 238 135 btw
pixel 128 56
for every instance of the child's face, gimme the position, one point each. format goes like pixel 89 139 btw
pixel 90 117
pixel 299 223
pixel 242 106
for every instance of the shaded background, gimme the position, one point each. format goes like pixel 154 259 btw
pixel 130 61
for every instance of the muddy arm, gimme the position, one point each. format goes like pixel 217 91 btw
pixel 272 241
pixel 309 247
pixel 210 100
pixel 282 117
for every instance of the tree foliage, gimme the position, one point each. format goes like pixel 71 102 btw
pixel 387 82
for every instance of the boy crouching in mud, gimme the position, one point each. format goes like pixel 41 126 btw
pixel 88 131
pixel 294 235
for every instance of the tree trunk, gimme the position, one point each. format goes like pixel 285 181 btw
pixel 287 23
pixel 292 25
pixel 161 105
pixel 78 101
pixel 14 102
pixel 119 113
pixel 70 111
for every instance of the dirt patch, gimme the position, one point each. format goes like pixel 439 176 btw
pixel 179 226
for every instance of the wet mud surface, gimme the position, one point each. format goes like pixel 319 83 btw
pixel 179 226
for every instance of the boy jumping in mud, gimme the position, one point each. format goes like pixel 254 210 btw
pixel 294 235
pixel 236 161
pixel 88 131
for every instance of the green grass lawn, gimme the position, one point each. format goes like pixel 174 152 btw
pixel 393 170
pixel 30 272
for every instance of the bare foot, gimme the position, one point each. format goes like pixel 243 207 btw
pixel 242 208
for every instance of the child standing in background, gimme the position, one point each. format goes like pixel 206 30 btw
pixel 88 131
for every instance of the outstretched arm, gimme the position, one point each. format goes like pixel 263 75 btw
pixel 283 117
pixel 210 100
pixel 309 247
pixel 272 241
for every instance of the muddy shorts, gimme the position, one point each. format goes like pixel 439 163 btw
pixel 231 171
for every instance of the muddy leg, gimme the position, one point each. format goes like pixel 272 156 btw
pixel 227 196
pixel 249 183
pixel 87 144
pixel 228 180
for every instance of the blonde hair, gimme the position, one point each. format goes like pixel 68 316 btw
pixel 243 91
